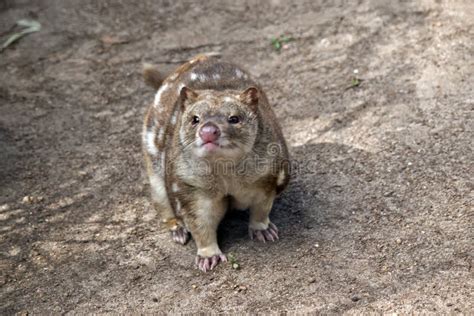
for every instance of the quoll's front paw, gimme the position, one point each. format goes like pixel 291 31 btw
pixel 208 263
pixel 269 234
pixel 180 235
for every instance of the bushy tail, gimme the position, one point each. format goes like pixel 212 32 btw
pixel 152 76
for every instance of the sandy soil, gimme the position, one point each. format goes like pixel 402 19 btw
pixel 378 216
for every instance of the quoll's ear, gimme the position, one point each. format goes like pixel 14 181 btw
pixel 250 96
pixel 188 95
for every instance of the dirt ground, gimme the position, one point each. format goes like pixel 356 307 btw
pixel 375 99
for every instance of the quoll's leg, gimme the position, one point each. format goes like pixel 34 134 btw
pixel 260 227
pixel 179 233
pixel 203 222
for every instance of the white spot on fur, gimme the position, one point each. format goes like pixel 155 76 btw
pixel 158 188
pixel 192 61
pixel 159 93
pixel 240 74
pixel 216 76
pixel 202 77
pixel 174 187
pixel 150 142
pixel 180 86
pixel 161 134
pixel 182 134
pixel 193 76
pixel 163 160
pixel 173 119
pixel 178 205
pixel 281 177
pixel 228 99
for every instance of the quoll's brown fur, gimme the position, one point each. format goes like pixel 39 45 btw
pixel 212 142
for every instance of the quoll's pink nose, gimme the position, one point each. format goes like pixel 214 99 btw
pixel 209 133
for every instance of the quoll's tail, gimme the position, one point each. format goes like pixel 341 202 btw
pixel 152 76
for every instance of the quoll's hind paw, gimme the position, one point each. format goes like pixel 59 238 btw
pixel 180 235
pixel 269 234
pixel 208 263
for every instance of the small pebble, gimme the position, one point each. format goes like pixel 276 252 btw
pixel 355 298
pixel 82 173
pixel 29 199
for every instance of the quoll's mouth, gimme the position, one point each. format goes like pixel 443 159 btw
pixel 214 146
pixel 210 146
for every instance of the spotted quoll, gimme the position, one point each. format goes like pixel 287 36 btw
pixel 211 142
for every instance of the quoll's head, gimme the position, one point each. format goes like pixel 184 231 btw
pixel 218 124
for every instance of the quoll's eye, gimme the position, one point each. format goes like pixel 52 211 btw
pixel 195 120
pixel 233 119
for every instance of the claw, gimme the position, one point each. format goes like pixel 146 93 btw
pixel 209 263
pixel 180 235
pixel 259 235
pixel 201 265
pixel 273 233
pixel 272 226
pixel 268 235
pixel 214 262
pixel 264 235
